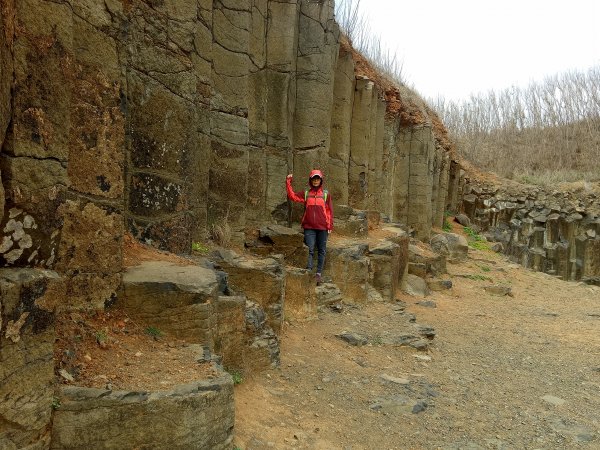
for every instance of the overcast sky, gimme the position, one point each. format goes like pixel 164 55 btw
pixel 456 47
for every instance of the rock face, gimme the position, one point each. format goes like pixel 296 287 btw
pixel 26 352
pixel 99 418
pixel 553 232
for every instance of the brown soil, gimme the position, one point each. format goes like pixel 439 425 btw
pixel 108 349
pixel 135 253
pixel 480 386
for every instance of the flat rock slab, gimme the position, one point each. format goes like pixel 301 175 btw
pixel 556 401
pixel 402 381
pixel 439 285
pixel 398 404
pixel 192 278
pixel 354 339
pixel 499 290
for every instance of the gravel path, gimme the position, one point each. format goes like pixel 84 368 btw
pixel 503 372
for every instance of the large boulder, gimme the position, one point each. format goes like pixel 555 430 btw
pixel 422 261
pixel 416 286
pixel 300 295
pixel 347 264
pixel 386 263
pixel 453 246
pixel 243 339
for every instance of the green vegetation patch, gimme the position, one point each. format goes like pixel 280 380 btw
pixel 236 375
pixel 200 248
pixel 153 331
pixel 475 240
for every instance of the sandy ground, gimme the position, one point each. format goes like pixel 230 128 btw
pixel 503 372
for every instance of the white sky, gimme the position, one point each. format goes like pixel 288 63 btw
pixel 457 47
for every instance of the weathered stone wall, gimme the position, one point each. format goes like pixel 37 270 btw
pixel 553 232
pixel 63 146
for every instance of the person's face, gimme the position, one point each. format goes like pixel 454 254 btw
pixel 315 182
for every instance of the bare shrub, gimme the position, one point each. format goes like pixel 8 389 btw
pixel 355 26
pixel 544 133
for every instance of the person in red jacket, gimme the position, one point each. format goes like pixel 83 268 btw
pixel 317 220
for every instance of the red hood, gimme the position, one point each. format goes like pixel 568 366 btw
pixel 317 173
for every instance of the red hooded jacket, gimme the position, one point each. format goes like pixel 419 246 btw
pixel 318 211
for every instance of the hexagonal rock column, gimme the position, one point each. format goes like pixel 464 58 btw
pixel 348 265
pixel 385 268
pixel 422 148
pixel 361 141
pixel 300 296
pixel 261 280
pixel 26 358
pixel 316 58
pixel 178 300
pixel 341 119
pixel 197 415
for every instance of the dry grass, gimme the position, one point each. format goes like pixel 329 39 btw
pixel 541 156
pixel 545 133
pixel 220 232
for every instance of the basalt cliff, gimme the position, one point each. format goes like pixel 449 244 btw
pixel 166 120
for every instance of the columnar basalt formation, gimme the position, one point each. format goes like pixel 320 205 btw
pixel 174 119
pixel 556 232
pixel 168 119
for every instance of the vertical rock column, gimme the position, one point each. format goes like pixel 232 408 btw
pixel 443 191
pixel 90 253
pixel 317 55
pixel 360 142
pixel 229 163
pixel 420 181
pixel 435 183
pixel 280 91
pixel 162 84
pixel 200 31
pixel 258 159
pixel 35 132
pixel 388 162
pixel 374 181
pixel 401 173
pixel 341 118
pixel 7 25
pixel 452 203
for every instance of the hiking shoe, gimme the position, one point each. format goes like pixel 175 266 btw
pixel 318 279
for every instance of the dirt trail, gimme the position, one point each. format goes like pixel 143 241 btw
pixel 503 372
